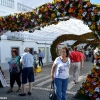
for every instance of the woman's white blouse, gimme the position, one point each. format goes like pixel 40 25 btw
pixel 62 68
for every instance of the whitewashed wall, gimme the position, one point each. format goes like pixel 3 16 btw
pixel 7 45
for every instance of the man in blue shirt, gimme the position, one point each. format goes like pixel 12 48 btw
pixel 40 56
pixel 27 72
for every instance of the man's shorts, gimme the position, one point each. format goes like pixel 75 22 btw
pixel 27 73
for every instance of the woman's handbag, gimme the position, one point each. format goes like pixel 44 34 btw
pixel 52 95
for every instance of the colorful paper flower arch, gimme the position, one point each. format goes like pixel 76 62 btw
pixel 52 13
pixel 85 41
pixel 93 42
pixel 66 37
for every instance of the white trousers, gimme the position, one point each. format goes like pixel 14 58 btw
pixel 76 70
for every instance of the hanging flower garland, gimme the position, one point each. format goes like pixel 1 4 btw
pixel 52 13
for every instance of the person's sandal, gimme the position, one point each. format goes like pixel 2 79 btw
pixel 9 91
pixel 22 94
pixel 19 90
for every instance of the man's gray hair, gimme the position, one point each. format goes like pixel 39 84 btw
pixel 26 49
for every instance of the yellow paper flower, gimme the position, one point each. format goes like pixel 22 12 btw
pixel 82 91
pixel 93 17
pixel 92 27
pixel 53 15
pixel 43 23
pixel 38 20
pixel 79 6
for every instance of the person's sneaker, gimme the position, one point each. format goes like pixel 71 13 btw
pixel 29 93
pixel 22 94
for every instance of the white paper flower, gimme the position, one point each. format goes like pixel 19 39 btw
pixel 94 83
pixel 90 94
pixel 86 91
pixel 97 67
pixel 98 13
pixel 40 15
pixel 57 7
pixel 55 19
pixel 65 12
pixel 98 22
pixel 32 20
pixel 92 13
pixel 37 11
pixel 97 99
pixel 58 13
pixel 93 8
pixel 96 89
pixel 71 5
pixel 89 23
pixel 85 6
pixel 84 14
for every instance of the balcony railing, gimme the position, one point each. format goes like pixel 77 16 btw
pixel 15 36
pixel 21 7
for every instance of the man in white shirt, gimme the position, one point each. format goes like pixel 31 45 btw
pixel 40 56
pixel 27 72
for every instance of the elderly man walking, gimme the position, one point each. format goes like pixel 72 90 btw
pixel 27 72
pixel 76 60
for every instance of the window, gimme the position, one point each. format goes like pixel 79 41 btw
pixel 7 3
pixel 21 7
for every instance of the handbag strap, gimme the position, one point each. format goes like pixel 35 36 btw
pixel 52 85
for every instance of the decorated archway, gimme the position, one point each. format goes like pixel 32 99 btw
pixel 52 13
pixel 78 42
pixel 91 43
pixel 68 37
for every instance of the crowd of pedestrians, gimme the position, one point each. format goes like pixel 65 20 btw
pixel 22 67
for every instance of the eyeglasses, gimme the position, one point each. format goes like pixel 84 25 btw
pixel 63 52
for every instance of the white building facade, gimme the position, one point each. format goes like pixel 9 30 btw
pixel 16 40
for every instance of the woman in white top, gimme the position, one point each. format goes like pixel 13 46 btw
pixel 60 73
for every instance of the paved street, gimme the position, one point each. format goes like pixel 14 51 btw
pixel 42 82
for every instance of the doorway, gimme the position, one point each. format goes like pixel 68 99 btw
pixel 31 51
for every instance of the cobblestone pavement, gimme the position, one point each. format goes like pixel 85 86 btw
pixel 42 82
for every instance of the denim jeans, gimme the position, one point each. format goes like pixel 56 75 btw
pixel 60 88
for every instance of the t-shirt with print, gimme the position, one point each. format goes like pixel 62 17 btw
pixel 62 68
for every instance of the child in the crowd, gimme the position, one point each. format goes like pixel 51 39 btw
pixel 36 61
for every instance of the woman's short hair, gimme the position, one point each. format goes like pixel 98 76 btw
pixel 67 51
pixel 15 51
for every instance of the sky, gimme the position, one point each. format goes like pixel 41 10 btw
pixel 95 1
